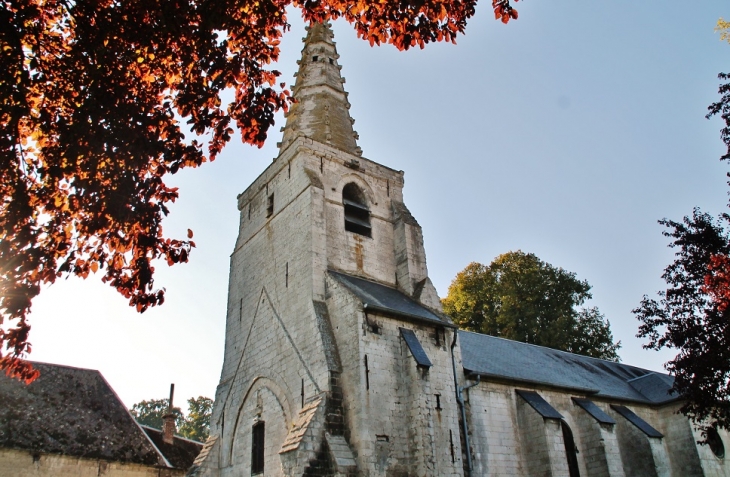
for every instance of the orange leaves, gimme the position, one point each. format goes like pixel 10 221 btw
pixel 90 93
pixel 504 11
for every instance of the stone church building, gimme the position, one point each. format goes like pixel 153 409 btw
pixel 339 361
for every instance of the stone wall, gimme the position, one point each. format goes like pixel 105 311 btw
pixel 405 416
pixel 508 437
pixel 18 463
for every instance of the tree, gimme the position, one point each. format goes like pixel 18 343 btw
pixel 197 422
pixel 195 426
pixel 522 298
pixel 92 95
pixel 691 317
pixel 693 314
pixel 150 413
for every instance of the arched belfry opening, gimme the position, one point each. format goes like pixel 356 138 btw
pixel 357 213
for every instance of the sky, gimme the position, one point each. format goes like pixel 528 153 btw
pixel 567 133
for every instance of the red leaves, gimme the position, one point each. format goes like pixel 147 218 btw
pixel 16 340
pixel 717 281
pixel 90 96
pixel 504 11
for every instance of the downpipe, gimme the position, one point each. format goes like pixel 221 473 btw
pixel 460 399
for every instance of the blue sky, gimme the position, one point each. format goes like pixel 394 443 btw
pixel 567 133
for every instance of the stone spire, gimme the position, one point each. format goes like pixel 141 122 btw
pixel 321 112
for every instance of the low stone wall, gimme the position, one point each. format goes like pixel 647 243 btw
pixel 20 463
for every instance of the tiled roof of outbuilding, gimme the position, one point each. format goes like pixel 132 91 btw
pixel 180 454
pixel 504 359
pixel 71 411
pixel 381 298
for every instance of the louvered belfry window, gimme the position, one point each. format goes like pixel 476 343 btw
pixel 357 213
pixel 257 448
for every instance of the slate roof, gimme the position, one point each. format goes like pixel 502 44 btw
pixel 384 299
pixel 180 454
pixel 503 359
pixel 71 411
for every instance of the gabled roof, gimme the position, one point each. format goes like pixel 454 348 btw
pixel 384 299
pixel 180 454
pixel 504 359
pixel 71 411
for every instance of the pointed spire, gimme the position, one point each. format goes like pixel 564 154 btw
pixel 322 110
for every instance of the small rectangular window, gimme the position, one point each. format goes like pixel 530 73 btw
pixel 270 206
pixel 257 448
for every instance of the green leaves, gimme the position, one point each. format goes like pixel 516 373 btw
pixel 195 426
pixel 522 298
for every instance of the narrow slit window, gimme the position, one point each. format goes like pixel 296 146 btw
pixel 451 443
pixel 357 213
pixel 270 206
pixel 257 448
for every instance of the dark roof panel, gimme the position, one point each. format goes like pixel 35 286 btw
pixel 499 358
pixel 419 354
pixel 539 404
pixel 380 298
pixel 629 415
pixel 71 411
pixel 595 411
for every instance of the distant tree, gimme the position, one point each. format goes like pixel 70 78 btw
pixel 150 413
pixel 96 99
pixel 195 426
pixel 522 298
pixel 197 422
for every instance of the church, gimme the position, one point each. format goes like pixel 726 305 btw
pixel 339 361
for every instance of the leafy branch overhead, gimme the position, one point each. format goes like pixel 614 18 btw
pixel 91 96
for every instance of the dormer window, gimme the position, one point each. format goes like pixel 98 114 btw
pixel 357 213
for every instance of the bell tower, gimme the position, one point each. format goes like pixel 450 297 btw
pixel 337 356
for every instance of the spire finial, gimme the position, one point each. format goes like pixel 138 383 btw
pixel 322 109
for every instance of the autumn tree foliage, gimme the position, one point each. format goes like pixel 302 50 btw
pixel 96 99
pixel 693 314
pixel 522 298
